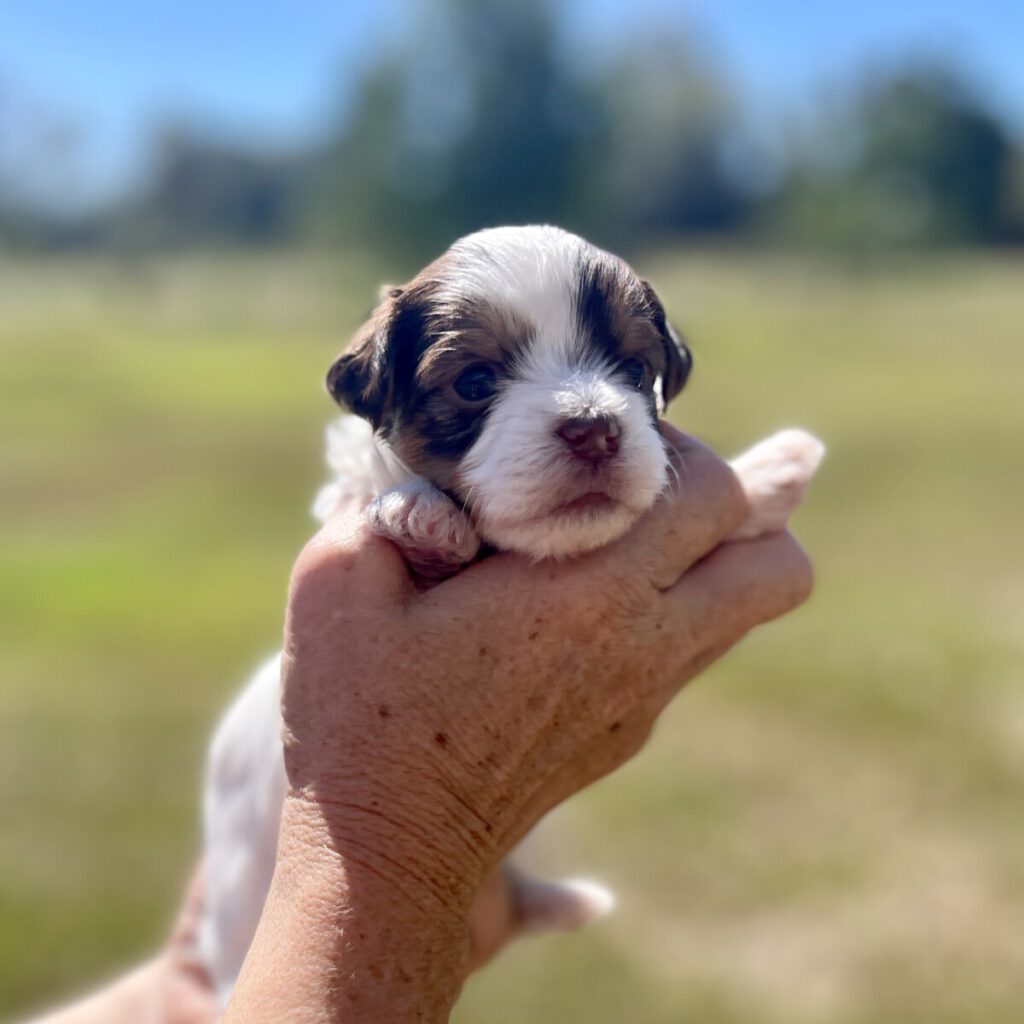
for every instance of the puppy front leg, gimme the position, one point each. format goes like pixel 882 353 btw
pixel 434 535
pixel 775 475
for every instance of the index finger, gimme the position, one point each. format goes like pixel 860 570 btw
pixel 702 504
pixel 741 586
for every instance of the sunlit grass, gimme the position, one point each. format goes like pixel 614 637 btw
pixel 828 827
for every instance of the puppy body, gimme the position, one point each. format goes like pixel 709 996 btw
pixel 508 396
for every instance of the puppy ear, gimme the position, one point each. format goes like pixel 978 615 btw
pixel 356 379
pixel 678 360
pixel 367 377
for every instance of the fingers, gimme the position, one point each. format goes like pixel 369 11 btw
pixel 703 505
pixel 739 586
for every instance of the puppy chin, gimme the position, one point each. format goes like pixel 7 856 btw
pixel 562 533
pixel 543 523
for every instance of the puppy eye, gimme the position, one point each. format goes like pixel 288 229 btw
pixel 634 371
pixel 476 384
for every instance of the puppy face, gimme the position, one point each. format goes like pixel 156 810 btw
pixel 522 374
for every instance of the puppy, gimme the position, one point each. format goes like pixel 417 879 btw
pixel 507 398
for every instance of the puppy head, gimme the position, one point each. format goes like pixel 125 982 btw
pixel 522 373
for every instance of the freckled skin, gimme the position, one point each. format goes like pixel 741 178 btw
pixel 388 872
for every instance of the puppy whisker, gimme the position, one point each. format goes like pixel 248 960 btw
pixel 471 504
pixel 676 468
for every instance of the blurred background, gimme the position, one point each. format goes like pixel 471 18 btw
pixel 198 203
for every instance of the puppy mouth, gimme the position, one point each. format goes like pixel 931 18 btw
pixel 564 518
pixel 562 508
pixel 593 502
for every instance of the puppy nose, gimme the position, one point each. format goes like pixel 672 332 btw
pixel 591 437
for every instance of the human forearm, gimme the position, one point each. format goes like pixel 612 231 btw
pixel 345 938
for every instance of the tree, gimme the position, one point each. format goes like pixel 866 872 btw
pixel 921 161
pixel 669 118
pixel 474 122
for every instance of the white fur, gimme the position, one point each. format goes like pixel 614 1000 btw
pixel 245 788
pixel 529 271
pixel 563 906
pixel 363 467
pixel 519 475
pixel 433 533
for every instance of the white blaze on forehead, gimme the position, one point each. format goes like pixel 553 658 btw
pixel 532 273
pixel 579 393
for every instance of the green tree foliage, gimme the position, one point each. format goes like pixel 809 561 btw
pixel 668 115
pixel 915 159
pixel 479 116
pixel 479 120
pixel 213 192
pixel 475 121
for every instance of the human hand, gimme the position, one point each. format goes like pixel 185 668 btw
pixel 427 731
pixel 544 677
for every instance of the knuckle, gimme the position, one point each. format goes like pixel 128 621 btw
pixel 629 734
pixel 322 568
pixel 733 505
pixel 802 575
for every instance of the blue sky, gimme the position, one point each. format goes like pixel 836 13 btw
pixel 269 71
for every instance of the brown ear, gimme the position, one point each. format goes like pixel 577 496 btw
pixel 369 377
pixel 678 360
pixel 355 380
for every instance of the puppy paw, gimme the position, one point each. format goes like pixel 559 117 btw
pixel 560 906
pixel 434 535
pixel 775 475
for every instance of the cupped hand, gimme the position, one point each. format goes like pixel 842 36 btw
pixel 433 729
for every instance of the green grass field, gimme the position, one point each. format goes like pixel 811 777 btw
pixel 828 827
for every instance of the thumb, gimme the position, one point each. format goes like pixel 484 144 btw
pixel 345 558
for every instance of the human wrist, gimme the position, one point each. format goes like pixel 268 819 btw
pixel 376 852
pixel 393 922
pixel 404 795
pixel 356 936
